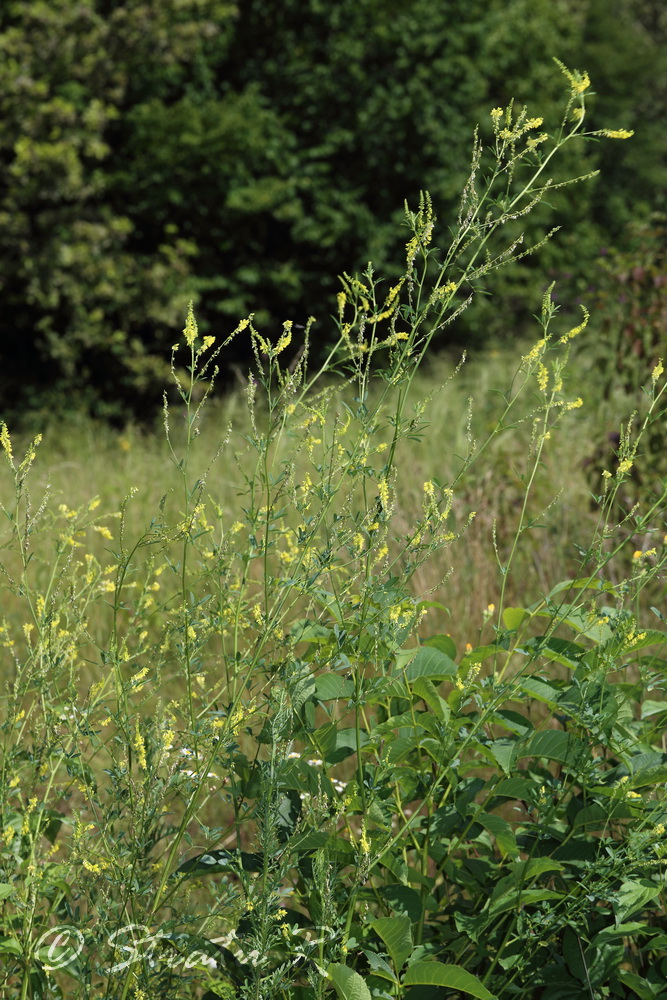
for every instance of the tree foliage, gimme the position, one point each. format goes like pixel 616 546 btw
pixel 245 155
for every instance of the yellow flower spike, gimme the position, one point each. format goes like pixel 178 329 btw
pixel 140 747
pixel 575 331
pixel 6 442
pixel 286 337
pixel 617 133
pixel 542 376
pixel 102 530
pixel 579 82
pixel 190 330
pixel 657 371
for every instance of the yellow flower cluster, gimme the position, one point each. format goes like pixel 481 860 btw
pixel 615 133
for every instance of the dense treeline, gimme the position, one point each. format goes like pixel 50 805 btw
pixel 245 154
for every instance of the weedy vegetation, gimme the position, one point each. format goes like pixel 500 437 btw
pixel 246 752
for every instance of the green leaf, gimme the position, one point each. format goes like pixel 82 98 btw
pixel 396 932
pixel 554 744
pixel 502 831
pixel 426 689
pixel 430 663
pixel 213 862
pixel 524 870
pixel 379 967
pixel 444 643
pixel 329 687
pixel 450 976
pixel 348 984
pixel 568 654
pixel 403 899
pixel 504 752
pixel 513 618
pixel 640 986
pixel 514 788
pixel 401 747
pixel 6 890
pixel 633 896
pixel 650 637
pixel 535 687
pixel 514 722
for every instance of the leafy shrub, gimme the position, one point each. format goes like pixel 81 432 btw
pixel 235 760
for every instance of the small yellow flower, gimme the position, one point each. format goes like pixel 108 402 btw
pixel 102 530
pixel 657 371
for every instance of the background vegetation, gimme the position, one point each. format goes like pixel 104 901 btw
pixel 244 155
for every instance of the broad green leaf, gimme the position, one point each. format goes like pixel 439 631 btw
pixel 301 691
pixel 329 687
pixel 424 688
pixel 639 986
pixel 512 721
pixel 348 984
pixel 444 643
pixel 6 889
pixel 633 896
pixel 583 583
pixel 650 637
pixel 525 870
pixel 568 654
pixel 502 831
pixel 396 932
pixel 647 767
pixel 305 631
pixel 448 976
pixel 535 687
pixel 514 788
pixel 504 752
pixel 401 747
pixel 521 897
pixel 554 744
pixel 213 862
pixel 513 618
pixel 11 945
pixel 403 899
pixel 379 967
pixel 430 663
pixel 650 708
pixel 479 654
